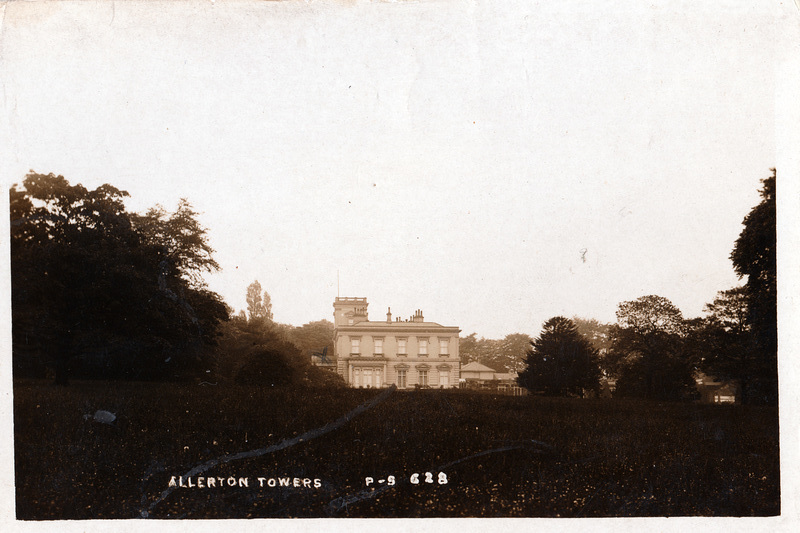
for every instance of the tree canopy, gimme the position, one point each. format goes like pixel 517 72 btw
pixel 754 256
pixel 504 355
pixel 648 354
pixel 561 361
pixel 721 340
pixel 117 292
pixel 259 305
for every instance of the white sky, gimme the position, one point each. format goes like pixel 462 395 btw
pixel 492 163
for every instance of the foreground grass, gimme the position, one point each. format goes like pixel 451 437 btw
pixel 502 456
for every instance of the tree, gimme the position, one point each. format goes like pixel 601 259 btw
pixel 261 353
pixel 720 341
pixel 259 305
pixel 313 337
pixel 511 352
pixel 648 354
pixel 754 256
pixel 597 333
pixel 504 355
pixel 110 291
pixel 181 241
pixel 561 361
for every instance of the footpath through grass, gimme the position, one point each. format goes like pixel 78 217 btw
pixel 500 456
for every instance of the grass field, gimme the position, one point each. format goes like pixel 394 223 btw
pixel 502 456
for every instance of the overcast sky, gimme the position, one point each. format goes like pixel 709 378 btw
pixel 491 163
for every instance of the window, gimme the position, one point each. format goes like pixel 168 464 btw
pixel 444 346
pixel 401 347
pixel 401 379
pixel 355 346
pixel 444 379
pixel 423 346
pixel 378 350
pixel 423 378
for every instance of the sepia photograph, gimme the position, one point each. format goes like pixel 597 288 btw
pixel 353 259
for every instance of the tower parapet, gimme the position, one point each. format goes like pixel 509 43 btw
pixel 349 310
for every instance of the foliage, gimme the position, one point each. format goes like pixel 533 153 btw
pixel 595 332
pixel 754 256
pixel 107 292
pixel 648 354
pixel 561 361
pixel 503 355
pixel 259 305
pixel 181 241
pixel 261 352
pixel 599 335
pixel 313 337
pixel 721 341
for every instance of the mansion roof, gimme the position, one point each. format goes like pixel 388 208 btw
pixel 397 326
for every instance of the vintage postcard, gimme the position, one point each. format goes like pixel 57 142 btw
pixel 436 259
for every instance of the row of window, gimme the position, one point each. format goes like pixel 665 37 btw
pixel 444 379
pixel 402 346
pixel 369 377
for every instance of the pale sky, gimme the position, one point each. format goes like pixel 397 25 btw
pixel 491 163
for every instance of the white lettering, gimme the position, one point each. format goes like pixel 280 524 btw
pixel 317 483
pixel 200 482
pixel 271 482
pixel 261 481
pixel 172 482
pixel 244 481
pixel 211 482
pixel 369 481
pixel 284 481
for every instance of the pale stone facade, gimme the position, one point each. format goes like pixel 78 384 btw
pixel 407 353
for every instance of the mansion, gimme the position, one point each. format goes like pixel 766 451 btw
pixel 407 353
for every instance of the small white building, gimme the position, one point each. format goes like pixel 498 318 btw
pixel 475 371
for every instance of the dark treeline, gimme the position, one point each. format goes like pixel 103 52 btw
pixel 100 292
pixel 653 352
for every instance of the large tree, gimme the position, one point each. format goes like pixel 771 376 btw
pixel 91 281
pixel 561 361
pixel 754 257
pixel 648 354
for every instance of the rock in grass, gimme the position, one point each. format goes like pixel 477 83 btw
pixel 104 417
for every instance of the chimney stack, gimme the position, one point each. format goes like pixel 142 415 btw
pixel 389 316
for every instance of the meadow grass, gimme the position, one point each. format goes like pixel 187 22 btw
pixel 502 456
